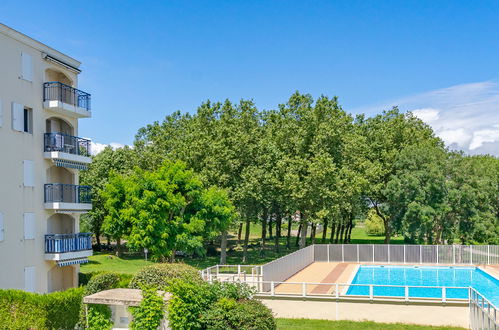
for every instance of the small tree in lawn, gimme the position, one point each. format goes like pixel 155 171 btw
pixel 166 210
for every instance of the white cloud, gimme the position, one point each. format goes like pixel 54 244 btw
pixel 426 114
pixel 465 116
pixel 97 147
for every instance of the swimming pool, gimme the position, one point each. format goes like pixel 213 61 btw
pixel 462 277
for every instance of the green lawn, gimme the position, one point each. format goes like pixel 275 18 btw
pixel 132 263
pixel 305 324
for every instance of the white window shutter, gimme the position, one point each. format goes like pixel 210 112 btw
pixel 17 117
pixel 29 226
pixel 29 279
pixel 2 229
pixel 27 67
pixel 29 173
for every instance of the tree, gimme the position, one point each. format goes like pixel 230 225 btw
pixel 166 210
pixel 121 160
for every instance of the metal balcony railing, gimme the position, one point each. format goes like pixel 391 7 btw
pixel 57 91
pixel 67 193
pixel 61 243
pixel 67 143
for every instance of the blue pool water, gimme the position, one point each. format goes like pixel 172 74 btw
pixel 425 276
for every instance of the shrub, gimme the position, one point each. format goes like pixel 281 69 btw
pixel 24 310
pixel 101 282
pixel 150 312
pixel 191 299
pixel 229 313
pixel 99 316
pixel 374 224
pixel 160 275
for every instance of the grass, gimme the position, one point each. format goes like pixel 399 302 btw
pixel 306 324
pixel 131 263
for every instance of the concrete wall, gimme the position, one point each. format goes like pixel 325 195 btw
pixel 16 253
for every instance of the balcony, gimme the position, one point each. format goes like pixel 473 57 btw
pixel 68 249
pixel 68 198
pixel 67 151
pixel 66 100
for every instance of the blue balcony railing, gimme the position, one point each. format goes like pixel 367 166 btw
pixel 66 143
pixel 57 91
pixel 61 243
pixel 67 193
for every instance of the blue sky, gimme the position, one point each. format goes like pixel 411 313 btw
pixel 145 59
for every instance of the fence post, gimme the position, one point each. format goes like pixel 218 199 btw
pixel 371 292
pixel 272 293
pixel 488 254
pixel 373 252
pixel 404 253
pixel 471 254
pixel 443 294
pixel 406 293
pixel 337 291
pixel 388 252
pixel 304 289
pixel 238 270
pixel 342 253
pixel 358 258
pixel 218 270
pixel 453 254
pixel 437 253
pixel 327 246
pixel 420 254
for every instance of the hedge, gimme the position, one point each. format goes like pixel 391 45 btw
pixel 24 310
pixel 160 275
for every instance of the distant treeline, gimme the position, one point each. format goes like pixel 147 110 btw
pixel 313 161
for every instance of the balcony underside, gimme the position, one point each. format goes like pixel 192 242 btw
pixel 68 255
pixel 65 159
pixel 60 206
pixel 67 109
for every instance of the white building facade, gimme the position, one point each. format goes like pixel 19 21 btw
pixel 40 158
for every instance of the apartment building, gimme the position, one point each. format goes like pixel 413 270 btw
pixel 41 201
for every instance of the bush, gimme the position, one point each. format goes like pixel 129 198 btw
pixel 160 275
pixel 150 312
pixel 24 310
pixel 191 299
pixel 101 282
pixel 229 313
pixel 99 317
pixel 374 224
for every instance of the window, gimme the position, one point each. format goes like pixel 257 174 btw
pixel 29 225
pixel 29 279
pixel 26 67
pixel 22 118
pixel 29 173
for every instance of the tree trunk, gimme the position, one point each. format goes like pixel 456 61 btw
pixel 172 256
pixel 270 227
pixel 333 227
pixel 312 233
pixel 239 233
pixel 386 223
pixel 278 222
pixel 349 237
pixel 119 252
pixel 264 232
pixel 342 232
pixel 324 232
pixel 98 246
pixel 288 238
pixel 338 229
pixel 304 229
pixel 223 249
pixel 298 236
pixel 246 240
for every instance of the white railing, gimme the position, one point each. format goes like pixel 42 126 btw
pixel 483 314
pixel 231 272
pixel 408 254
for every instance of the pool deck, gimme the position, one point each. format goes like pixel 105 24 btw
pixel 343 273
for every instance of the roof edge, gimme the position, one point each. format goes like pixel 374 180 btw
pixel 21 37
